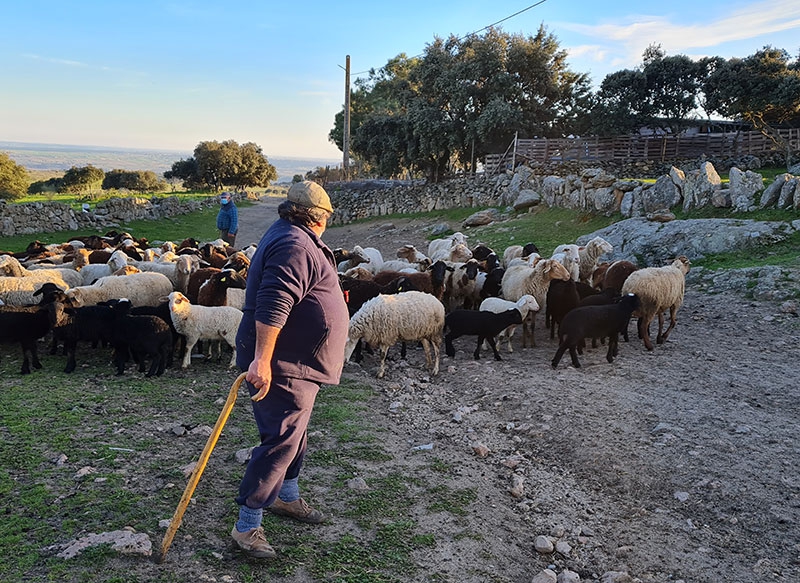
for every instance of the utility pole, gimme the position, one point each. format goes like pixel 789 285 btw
pixel 346 137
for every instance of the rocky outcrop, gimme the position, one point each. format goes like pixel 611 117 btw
pixel 652 243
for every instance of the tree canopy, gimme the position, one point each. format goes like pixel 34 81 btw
pixel 762 89
pixel 462 99
pixel 217 165
pixel 135 180
pixel 79 179
pixel 13 178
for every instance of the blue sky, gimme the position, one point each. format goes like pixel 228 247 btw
pixel 169 74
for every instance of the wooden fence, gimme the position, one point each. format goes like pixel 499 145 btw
pixel 636 148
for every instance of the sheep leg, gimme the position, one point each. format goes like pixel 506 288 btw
pixel 673 319
pixel 427 348
pixel 29 348
pixel 559 353
pixel 660 336
pixel 187 355
pixel 644 333
pixel 120 358
pixel 612 347
pixel 494 347
pixel 435 342
pixel 382 368
pixel 574 356
pixel 155 364
pixel 70 345
pixel 449 349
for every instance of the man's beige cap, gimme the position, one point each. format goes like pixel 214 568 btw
pixel 309 194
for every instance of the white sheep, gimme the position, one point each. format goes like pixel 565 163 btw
pixel 525 304
pixel 406 316
pixel 438 245
pixel 203 323
pixel 589 255
pixel 375 259
pixel 519 280
pixel 19 291
pixel 177 272
pixel 354 258
pixel 64 277
pixel 142 289
pixel 569 257
pixel 658 289
pixel 91 272
pixel 456 253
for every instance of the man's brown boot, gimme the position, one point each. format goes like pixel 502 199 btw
pixel 299 510
pixel 254 543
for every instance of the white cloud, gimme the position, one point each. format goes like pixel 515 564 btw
pixel 628 40
pixel 66 62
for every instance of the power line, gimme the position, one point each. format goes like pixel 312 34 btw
pixel 488 26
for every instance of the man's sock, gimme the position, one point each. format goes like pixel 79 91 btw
pixel 290 491
pixel 249 518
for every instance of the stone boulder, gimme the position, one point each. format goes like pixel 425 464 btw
pixel 553 188
pixel 769 197
pixel 481 218
pixel 787 194
pixel 663 194
pixel 700 186
pixel 650 243
pixel 597 178
pixel 527 198
pixel 604 200
pixel 743 188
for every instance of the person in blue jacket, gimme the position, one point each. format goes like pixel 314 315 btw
pixel 291 339
pixel 227 218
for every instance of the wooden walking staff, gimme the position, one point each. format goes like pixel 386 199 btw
pixel 175 523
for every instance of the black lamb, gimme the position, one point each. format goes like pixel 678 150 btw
pixel 594 322
pixel 141 337
pixel 485 325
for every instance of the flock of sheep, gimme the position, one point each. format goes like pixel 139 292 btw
pixel 143 301
pixel 457 290
pixel 146 302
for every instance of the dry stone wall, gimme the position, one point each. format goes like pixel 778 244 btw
pixel 38 217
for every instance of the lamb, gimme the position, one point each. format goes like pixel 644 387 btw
pixel 348 259
pixel 438 245
pixel 141 336
pixel 569 257
pixel 658 289
pixel 142 289
pixel 525 304
pixel 409 253
pixel 519 280
pixel 562 296
pixel 589 255
pixel 375 259
pixel 203 323
pixel 407 316
pixel 358 273
pixel 594 322
pixel 460 285
pixel 456 254
pixel 485 325
pixel 63 277
pixel 88 324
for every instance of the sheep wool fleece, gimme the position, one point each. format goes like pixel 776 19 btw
pixel 292 284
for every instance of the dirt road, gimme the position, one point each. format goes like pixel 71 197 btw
pixel 679 464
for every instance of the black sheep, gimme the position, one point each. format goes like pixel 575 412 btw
pixel 594 322
pixel 26 324
pixel 141 336
pixel 562 296
pixel 485 325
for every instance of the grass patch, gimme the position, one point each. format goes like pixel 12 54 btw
pixel 121 427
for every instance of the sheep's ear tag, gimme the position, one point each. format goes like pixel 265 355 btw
pixel 224 279
pixel 347 296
